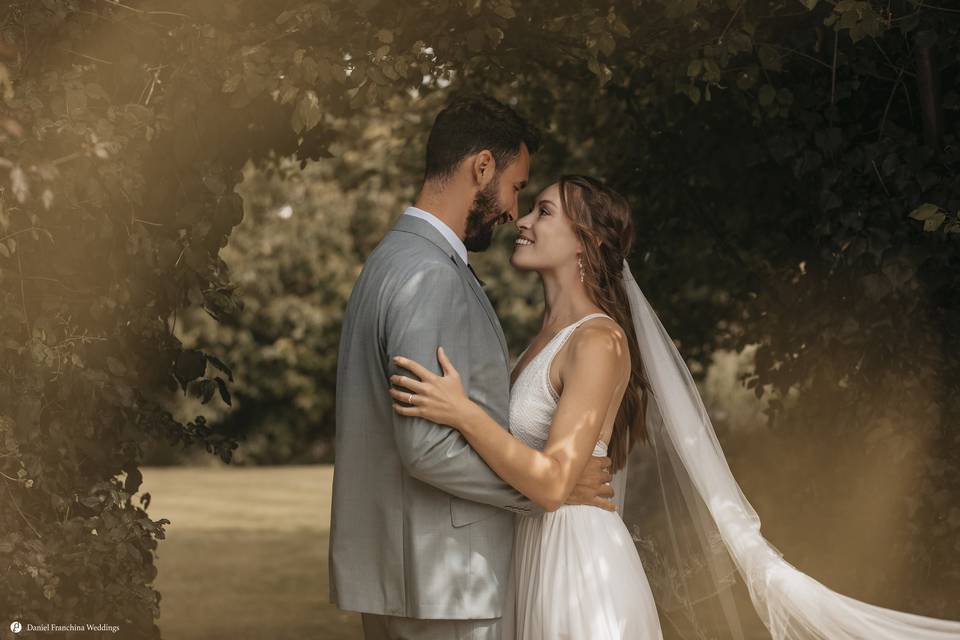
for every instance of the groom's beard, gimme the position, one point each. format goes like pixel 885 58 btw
pixel 485 213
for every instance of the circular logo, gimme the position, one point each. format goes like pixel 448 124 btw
pixel 16 627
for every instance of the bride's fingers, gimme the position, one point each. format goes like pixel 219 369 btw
pixel 604 504
pixel 413 367
pixel 405 397
pixel 408 383
pixel 413 412
pixel 605 491
pixel 448 368
pixel 597 477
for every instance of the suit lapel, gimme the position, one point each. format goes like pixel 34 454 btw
pixel 422 228
pixel 467 275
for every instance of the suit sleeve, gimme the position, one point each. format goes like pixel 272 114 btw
pixel 431 310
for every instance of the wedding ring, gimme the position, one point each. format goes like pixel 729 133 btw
pixel 409 398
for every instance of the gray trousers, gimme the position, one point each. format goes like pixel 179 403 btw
pixel 376 627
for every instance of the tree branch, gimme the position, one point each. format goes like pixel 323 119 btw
pixel 23 298
pixel 17 506
pixel 833 73
pixel 116 3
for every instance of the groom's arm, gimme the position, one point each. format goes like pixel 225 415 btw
pixel 430 310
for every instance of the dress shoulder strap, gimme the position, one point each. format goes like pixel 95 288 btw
pixel 559 340
pixel 568 331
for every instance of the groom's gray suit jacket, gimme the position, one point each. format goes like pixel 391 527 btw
pixel 421 527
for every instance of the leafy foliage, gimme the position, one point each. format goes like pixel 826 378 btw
pixel 294 259
pixel 793 169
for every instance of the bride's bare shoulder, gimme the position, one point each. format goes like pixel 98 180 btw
pixel 600 340
pixel 597 350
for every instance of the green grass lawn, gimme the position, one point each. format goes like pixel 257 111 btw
pixel 245 554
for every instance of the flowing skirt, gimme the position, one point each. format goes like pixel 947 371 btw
pixel 576 575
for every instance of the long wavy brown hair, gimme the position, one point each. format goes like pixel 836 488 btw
pixel 603 221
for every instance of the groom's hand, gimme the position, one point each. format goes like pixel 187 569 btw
pixel 594 485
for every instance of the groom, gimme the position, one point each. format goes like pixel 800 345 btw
pixel 422 530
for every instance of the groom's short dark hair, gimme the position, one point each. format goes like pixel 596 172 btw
pixel 470 124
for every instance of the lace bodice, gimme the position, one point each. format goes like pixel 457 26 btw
pixel 533 400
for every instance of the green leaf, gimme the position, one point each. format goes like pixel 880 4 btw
pixel 116 367
pixel 769 58
pixel 933 222
pixel 219 364
pixel 232 83
pixel 619 27
pixel 848 18
pixel 307 113
pixel 224 392
pixel 924 211
pixel 494 35
pixel 190 365
pixel 607 44
pixel 694 68
pixel 505 10
pixel 207 389
pixel 711 70
pixel 133 481
pixel 288 94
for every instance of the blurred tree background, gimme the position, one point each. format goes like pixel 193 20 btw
pixel 190 188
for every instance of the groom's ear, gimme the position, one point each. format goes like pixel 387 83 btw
pixel 483 167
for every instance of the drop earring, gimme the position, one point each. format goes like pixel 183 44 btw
pixel 580 263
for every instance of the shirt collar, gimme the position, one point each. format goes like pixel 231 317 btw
pixel 442 227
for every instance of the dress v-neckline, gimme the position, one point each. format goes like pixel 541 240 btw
pixel 546 346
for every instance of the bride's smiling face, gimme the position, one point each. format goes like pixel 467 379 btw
pixel 547 237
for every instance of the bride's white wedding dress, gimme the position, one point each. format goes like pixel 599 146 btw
pixel 575 573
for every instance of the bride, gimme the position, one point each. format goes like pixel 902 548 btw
pixel 601 375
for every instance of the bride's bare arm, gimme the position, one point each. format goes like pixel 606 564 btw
pixel 594 374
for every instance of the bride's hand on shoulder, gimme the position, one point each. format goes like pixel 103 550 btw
pixel 436 398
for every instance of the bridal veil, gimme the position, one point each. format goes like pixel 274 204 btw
pixel 695 530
